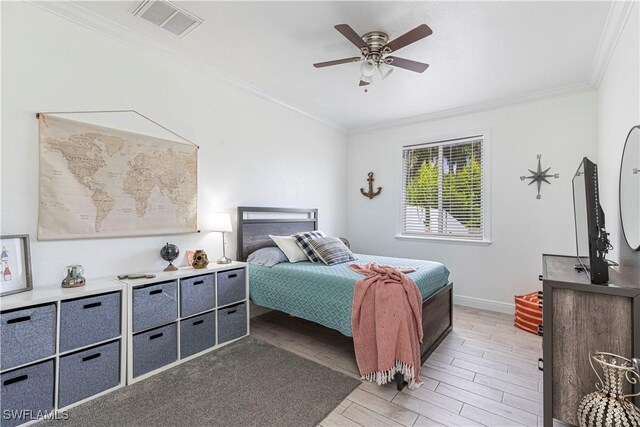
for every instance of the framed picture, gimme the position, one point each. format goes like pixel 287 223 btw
pixel 15 264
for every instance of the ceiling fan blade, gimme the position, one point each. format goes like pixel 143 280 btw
pixel 407 64
pixel 352 36
pixel 337 62
pixel 362 83
pixel 420 32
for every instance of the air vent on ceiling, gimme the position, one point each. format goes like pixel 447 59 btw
pixel 168 16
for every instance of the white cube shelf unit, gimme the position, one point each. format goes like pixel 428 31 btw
pixel 60 347
pixel 179 315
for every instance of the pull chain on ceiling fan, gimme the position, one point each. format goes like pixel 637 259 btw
pixel 375 49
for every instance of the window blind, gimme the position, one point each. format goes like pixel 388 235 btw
pixel 442 192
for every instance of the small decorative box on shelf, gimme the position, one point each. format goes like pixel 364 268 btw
pixel 179 315
pixel 60 347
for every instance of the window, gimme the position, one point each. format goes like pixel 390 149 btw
pixel 443 190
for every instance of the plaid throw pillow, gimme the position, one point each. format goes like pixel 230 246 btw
pixel 303 239
pixel 331 250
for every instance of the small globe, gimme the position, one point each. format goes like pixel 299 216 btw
pixel 169 252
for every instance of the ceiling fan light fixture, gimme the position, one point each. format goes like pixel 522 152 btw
pixel 374 48
pixel 368 68
pixel 366 79
pixel 384 70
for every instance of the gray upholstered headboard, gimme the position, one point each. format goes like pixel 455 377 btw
pixel 256 223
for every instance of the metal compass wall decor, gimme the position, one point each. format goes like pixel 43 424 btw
pixel 539 176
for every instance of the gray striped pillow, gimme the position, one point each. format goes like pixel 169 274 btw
pixel 331 250
pixel 303 239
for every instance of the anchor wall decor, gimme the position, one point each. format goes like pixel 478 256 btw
pixel 539 176
pixel 370 194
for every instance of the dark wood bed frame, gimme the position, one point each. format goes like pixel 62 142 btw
pixel 256 223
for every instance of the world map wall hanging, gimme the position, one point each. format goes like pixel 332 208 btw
pixel 96 181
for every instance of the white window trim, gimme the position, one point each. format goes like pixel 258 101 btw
pixel 485 133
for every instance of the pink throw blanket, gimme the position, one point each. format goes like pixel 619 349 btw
pixel 387 324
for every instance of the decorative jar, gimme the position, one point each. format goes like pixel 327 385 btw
pixel 609 406
pixel 200 259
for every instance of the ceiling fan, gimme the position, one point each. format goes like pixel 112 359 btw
pixel 375 48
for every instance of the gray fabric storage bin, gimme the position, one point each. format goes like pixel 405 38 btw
pixel 88 372
pixel 154 349
pixel 232 322
pixel 154 305
pixel 197 294
pixel 27 389
pixel 89 320
pixel 197 334
pixel 231 286
pixel 27 334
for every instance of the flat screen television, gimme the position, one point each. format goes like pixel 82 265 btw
pixel 592 243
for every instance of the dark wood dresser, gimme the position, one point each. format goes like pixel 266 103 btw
pixel 579 317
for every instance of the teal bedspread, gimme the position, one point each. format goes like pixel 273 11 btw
pixel 324 294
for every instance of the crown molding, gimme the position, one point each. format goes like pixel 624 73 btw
pixel 93 21
pixel 477 108
pixel 619 12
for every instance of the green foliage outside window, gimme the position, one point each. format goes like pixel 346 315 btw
pixel 461 191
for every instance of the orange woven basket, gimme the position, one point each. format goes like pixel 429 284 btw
pixel 529 312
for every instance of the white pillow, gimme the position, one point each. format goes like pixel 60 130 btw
pixel 288 245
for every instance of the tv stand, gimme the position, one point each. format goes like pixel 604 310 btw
pixel 580 317
pixel 580 267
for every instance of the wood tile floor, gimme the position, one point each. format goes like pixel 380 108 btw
pixel 484 373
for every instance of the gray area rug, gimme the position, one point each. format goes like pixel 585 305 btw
pixel 247 383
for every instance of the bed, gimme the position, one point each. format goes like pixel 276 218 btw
pixel 323 294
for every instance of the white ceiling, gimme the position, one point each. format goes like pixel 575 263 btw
pixel 479 51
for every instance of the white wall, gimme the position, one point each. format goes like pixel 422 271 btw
pixel 252 152
pixel 562 129
pixel 618 111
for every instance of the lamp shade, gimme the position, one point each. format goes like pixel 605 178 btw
pixel 368 68
pixel 384 70
pixel 221 221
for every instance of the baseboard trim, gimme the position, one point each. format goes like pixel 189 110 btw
pixel 484 304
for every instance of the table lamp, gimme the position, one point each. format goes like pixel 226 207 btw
pixel 221 222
